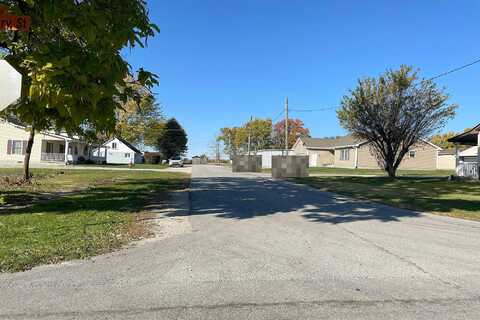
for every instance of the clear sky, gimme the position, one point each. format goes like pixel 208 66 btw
pixel 221 61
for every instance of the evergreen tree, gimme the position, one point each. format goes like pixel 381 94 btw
pixel 173 141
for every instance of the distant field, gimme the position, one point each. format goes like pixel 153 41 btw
pixel 70 214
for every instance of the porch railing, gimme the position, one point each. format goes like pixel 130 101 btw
pixel 468 170
pixel 58 157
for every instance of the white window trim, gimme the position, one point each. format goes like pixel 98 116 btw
pixel 345 154
pixel 14 142
pixel 409 154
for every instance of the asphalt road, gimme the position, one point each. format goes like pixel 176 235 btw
pixel 263 249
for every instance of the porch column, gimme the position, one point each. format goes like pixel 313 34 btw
pixel 457 156
pixel 66 151
pixel 356 158
pixel 478 156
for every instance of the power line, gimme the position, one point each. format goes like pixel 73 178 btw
pixel 454 70
pixel 443 74
pixel 278 116
pixel 313 109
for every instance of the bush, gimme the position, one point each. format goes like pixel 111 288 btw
pixel 152 157
pixel 81 160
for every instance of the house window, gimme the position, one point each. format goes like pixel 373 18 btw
pixel 61 148
pixel 114 145
pixel 412 154
pixel 345 154
pixel 75 150
pixel 85 151
pixel 127 155
pixel 49 147
pixel 17 146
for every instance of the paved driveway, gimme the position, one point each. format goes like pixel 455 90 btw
pixel 263 249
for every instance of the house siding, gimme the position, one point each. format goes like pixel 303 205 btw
pixel 350 163
pixel 323 157
pixel 300 149
pixel 446 162
pixel 117 156
pixel 425 158
pixel 11 132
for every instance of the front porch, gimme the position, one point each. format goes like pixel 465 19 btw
pixel 468 166
pixel 64 151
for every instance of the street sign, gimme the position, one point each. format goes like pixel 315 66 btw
pixel 13 23
pixel 10 85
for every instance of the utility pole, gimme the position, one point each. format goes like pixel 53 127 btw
pixel 286 126
pixel 249 133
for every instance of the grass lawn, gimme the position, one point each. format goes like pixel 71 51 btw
pixel 137 166
pixel 459 199
pixel 376 172
pixel 97 212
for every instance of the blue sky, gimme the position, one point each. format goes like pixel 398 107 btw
pixel 220 62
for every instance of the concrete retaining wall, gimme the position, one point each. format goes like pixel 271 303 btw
pixel 289 166
pixel 247 164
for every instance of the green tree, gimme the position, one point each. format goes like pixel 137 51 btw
pixel 140 121
pixel 73 71
pixel 393 112
pixel 173 141
pixel 235 139
pixel 441 140
pixel 260 131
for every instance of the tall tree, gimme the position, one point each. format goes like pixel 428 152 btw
pixel 173 142
pixel 140 121
pixel 233 139
pixel 260 131
pixel 441 140
pixel 73 71
pixel 296 129
pixel 393 112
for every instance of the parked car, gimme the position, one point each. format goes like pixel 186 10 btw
pixel 175 162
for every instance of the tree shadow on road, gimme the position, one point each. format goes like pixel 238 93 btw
pixel 246 198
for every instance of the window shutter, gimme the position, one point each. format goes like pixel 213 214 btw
pixel 9 147
pixel 24 149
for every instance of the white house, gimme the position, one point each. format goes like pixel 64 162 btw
pixel 267 156
pixel 117 151
pixel 48 147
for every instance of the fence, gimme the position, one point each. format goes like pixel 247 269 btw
pixel 467 170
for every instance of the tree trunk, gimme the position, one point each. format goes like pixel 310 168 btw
pixel 390 169
pixel 28 151
pixel 392 172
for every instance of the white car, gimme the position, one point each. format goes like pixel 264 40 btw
pixel 175 162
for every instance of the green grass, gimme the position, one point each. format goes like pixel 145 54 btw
pixel 459 199
pixel 137 166
pixel 97 213
pixel 375 172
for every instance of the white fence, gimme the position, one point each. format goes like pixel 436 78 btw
pixel 58 157
pixel 467 169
